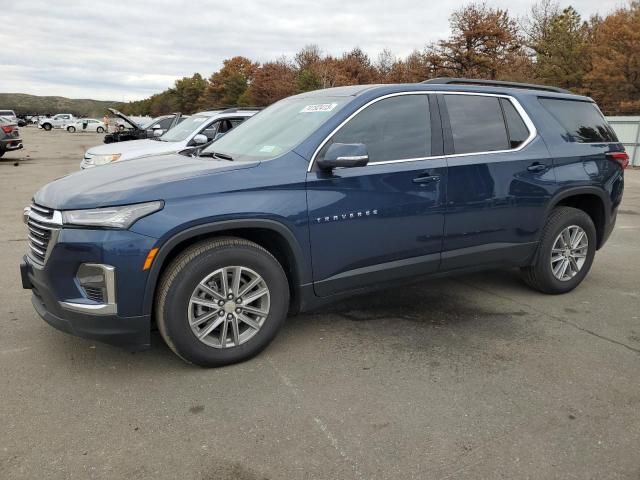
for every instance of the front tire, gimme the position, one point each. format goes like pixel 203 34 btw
pixel 47 126
pixel 71 129
pixel 565 253
pixel 100 130
pixel 221 301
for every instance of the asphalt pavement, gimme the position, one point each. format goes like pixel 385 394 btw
pixel 472 377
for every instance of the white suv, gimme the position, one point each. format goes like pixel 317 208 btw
pixel 193 133
pixel 57 121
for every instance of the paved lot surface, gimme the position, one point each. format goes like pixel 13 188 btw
pixel 465 378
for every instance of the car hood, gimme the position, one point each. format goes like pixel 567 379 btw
pixel 136 148
pixel 147 179
pixel 125 118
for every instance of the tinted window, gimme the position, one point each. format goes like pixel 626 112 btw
pixel 582 121
pixel 477 123
pixel 165 123
pixel 518 131
pixel 392 129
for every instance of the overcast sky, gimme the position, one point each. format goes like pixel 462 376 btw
pixel 115 50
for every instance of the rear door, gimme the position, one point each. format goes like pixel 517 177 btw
pixel 383 221
pixel 499 181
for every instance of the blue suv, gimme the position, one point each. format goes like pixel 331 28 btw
pixel 323 195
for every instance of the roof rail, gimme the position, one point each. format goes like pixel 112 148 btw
pixel 493 83
pixel 240 109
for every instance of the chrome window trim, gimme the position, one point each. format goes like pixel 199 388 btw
pixel 533 132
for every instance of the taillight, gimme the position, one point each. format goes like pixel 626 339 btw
pixel 621 157
pixel 7 128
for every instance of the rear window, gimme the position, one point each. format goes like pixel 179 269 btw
pixel 582 121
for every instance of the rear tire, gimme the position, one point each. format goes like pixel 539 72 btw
pixel 565 253
pixel 47 126
pixel 204 272
pixel 100 130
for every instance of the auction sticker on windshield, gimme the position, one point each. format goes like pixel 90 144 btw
pixel 319 107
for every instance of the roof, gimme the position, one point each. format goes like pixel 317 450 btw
pixel 242 112
pixel 499 88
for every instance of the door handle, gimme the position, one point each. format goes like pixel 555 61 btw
pixel 537 167
pixel 427 179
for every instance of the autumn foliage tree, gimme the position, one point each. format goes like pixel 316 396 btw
pixel 599 57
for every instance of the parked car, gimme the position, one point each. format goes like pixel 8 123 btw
pixel 57 121
pixel 193 132
pixel 22 121
pixel 9 135
pixel 320 196
pixel 10 115
pixel 134 131
pixel 86 125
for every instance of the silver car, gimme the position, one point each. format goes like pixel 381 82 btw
pixel 192 133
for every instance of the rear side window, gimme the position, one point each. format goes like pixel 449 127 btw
pixel 582 121
pixel 516 128
pixel 395 128
pixel 477 123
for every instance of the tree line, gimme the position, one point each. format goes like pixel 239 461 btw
pixel 598 57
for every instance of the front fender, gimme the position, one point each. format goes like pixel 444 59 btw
pixel 302 267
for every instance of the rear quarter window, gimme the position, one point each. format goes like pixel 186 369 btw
pixel 582 121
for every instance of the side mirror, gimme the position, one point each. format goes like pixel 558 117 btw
pixel 344 155
pixel 200 139
pixel 157 132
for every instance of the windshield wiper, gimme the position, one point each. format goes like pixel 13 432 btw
pixel 221 156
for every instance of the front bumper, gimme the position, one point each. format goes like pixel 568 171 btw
pixel 132 333
pixel 114 316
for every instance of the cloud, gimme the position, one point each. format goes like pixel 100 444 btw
pixel 130 50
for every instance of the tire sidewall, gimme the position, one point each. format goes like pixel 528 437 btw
pixel 175 309
pixel 575 217
pixel 71 129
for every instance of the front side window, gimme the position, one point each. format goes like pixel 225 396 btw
pixel 477 124
pixel 582 120
pixel 394 128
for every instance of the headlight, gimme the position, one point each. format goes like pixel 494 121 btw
pixel 104 159
pixel 112 217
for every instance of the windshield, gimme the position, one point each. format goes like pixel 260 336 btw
pixel 181 131
pixel 145 124
pixel 277 129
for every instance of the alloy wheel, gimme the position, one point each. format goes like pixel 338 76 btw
pixel 569 252
pixel 228 307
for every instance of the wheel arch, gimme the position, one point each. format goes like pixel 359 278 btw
pixel 592 200
pixel 271 235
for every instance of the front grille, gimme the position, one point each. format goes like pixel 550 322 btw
pixel 94 293
pixel 42 227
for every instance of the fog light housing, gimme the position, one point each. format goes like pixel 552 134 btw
pixel 97 283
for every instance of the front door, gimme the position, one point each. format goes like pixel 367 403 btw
pixel 383 221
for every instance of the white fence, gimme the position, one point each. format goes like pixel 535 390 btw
pixel 628 131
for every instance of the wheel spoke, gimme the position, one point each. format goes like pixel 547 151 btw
pixel 252 323
pixel 566 237
pixel 205 303
pixel 235 331
pixel 255 311
pixel 557 258
pixel 249 286
pixel 574 265
pixel 210 328
pixel 225 282
pixel 578 238
pixel 236 275
pixel 223 332
pixel 210 291
pixel 255 295
pixel 563 269
pixel 203 318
